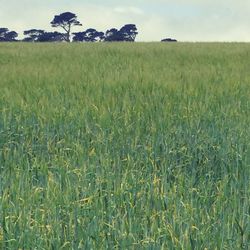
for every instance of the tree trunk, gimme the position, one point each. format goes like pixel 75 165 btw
pixel 68 34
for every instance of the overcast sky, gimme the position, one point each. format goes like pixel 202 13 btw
pixel 185 20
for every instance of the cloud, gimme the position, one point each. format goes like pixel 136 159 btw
pixel 129 10
pixel 206 20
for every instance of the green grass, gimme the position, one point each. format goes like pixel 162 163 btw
pixel 124 146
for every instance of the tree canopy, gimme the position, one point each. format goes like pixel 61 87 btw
pixel 89 35
pixel 7 36
pixel 126 34
pixel 51 37
pixel 129 32
pixel 33 35
pixel 66 20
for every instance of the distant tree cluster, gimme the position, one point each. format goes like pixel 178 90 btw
pixel 168 40
pixel 35 35
pixel 67 21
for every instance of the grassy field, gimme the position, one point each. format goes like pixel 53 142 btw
pixel 125 146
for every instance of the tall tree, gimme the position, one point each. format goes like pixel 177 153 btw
pixel 66 20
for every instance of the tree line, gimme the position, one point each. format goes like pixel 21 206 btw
pixel 67 21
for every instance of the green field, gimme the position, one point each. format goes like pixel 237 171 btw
pixel 125 146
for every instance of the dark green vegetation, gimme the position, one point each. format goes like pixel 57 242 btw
pixel 127 146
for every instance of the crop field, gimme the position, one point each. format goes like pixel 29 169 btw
pixel 125 146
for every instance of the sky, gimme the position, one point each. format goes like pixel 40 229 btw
pixel 184 20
